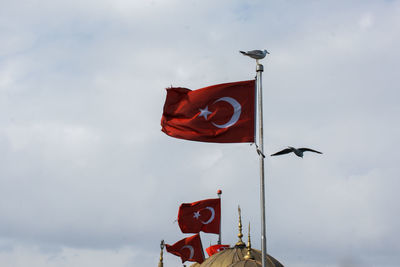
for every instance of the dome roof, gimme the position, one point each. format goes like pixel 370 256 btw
pixel 246 263
pixel 238 256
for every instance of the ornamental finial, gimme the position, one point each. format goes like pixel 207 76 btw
pixel 240 235
pixel 249 256
pixel 162 245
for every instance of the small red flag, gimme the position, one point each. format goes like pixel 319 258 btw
pixel 215 249
pixel 204 215
pixel 189 249
pixel 222 113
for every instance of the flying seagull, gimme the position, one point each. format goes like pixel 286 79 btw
pixel 256 54
pixel 298 151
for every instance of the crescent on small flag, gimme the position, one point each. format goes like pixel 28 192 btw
pixel 211 217
pixel 191 250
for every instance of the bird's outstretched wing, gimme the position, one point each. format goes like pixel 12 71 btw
pixel 285 151
pixel 309 149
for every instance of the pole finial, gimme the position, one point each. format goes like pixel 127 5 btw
pixel 162 245
pixel 249 256
pixel 240 235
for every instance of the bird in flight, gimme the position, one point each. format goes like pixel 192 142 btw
pixel 298 151
pixel 256 54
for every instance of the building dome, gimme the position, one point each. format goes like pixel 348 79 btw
pixel 239 255
pixel 236 257
pixel 246 263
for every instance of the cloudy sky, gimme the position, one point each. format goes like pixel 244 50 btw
pixel 88 179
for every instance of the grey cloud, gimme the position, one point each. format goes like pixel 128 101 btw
pixel 86 171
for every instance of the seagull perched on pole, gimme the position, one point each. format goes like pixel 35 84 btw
pixel 298 151
pixel 256 54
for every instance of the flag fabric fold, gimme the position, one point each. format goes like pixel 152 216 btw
pixel 203 215
pixel 189 249
pixel 222 113
pixel 215 249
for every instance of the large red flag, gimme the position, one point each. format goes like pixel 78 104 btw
pixel 222 113
pixel 189 249
pixel 204 215
pixel 215 249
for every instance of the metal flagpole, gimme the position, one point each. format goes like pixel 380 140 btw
pixel 259 54
pixel 260 69
pixel 219 193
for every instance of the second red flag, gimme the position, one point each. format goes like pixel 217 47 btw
pixel 204 215
pixel 189 249
pixel 215 249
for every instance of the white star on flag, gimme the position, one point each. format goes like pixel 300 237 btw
pixel 196 215
pixel 204 112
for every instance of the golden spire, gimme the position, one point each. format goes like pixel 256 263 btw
pixel 161 264
pixel 240 235
pixel 249 256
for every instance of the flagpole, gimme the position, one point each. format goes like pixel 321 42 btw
pixel 260 69
pixel 219 193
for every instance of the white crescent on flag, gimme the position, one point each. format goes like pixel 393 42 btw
pixel 212 215
pixel 237 110
pixel 191 250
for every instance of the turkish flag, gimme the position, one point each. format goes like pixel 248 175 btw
pixel 189 249
pixel 222 113
pixel 204 215
pixel 215 249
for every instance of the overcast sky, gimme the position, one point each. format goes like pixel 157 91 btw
pixel 87 178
